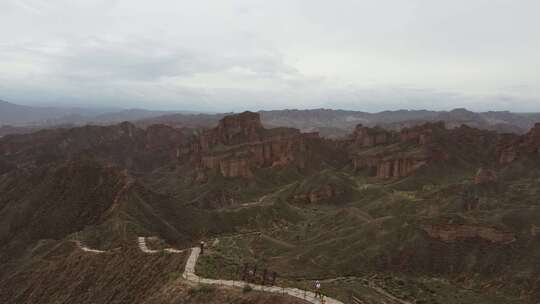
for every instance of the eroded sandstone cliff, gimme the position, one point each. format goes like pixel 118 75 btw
pixel 397 158
pixel 513 147
pixel 240 144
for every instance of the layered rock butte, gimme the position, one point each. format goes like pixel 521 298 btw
pixel 240 143
pixel 396 161
pixel 513 147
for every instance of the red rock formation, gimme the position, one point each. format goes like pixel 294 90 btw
pixel 368 137
pixel 422 134
pixel 364 162
pixel 451 233
pixel 239 144
pixel 511 147
pixel 485 176
pixel 535 131
pixel 395 168
pixel 418 147
pixel 233 130
pixel 390 167
pixel 396 164
pixel 508 148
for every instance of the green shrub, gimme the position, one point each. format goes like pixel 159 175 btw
pixel 201 290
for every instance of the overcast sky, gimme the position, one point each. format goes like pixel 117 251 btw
pixel 226 55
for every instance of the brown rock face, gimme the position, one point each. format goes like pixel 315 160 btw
pixel 452 233
pixel 234 130
pixel 239 144
pixel 532 141
pixel 422 134
pixel 323 193
pixel 382 167
pixel 368 137
pixel 397 164
pixel 395 168
pixel 228 167
pixel 485 176
pixel 123 144
pixel 421 145
pixel 363 162
pixel 535 131
pixel 161 138
pixel 508 148
pixel 511 147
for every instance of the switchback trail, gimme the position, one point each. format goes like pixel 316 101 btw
pixel 85 248
pixel 189 274
pixel 144 248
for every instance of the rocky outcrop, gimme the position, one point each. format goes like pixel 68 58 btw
pixel 451 233
pixel 240 143
pixel 391 166
pixel 322 193
pixel 366 162
pixel 228 167
pixel 369 137
pixel 508 148
pixel 233 130
pixel 163 138
pixel 485 176
pixel 421 145
pixel 396 168
pixel 511 147
pixel 122 144
pixel 392 163
pixel 422 134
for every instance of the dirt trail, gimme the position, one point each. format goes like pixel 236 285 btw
pixel 189 274
pixel 87 249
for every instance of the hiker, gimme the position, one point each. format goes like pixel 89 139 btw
pixel 202 247
pixel 318 289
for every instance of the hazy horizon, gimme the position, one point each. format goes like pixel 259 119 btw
pixel 250 55
pixel 111 109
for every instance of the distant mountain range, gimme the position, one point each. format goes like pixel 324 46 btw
pixel 23 116
pixel 336 123
pixel 18 119
pixel 328 122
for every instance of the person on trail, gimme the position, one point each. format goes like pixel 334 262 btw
pixel 318 289
pixel 202 247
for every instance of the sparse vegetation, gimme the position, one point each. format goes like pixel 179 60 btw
pixel 247 288
pixel 435 235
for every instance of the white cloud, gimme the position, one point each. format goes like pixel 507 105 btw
pixel 269 54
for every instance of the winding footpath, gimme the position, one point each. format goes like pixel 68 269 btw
pixel 189 274
pixel 87 249
pixel 144 248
